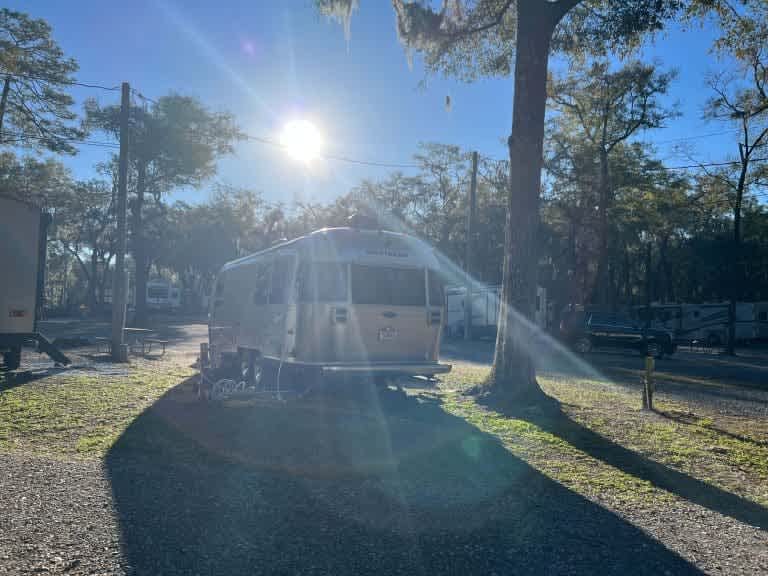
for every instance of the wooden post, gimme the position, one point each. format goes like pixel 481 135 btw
pixel 471 203
pixel 648 383
pixel 203 366
pixel 119 291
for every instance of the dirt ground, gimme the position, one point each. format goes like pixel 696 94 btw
pixel 121 470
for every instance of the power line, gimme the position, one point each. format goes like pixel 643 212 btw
pixel 66 82
pixel 142 97
pixel 347 159
pixel 695 137
pixel 20 137
pixel 337 158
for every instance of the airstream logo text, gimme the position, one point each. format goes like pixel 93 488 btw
pixel 387 252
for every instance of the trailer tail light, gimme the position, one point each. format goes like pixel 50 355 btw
pixel 434 317
pixel 339 316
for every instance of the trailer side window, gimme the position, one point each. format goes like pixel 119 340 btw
pixel 323 282
pixel 436 288
pixel 282 272
pixel 261 284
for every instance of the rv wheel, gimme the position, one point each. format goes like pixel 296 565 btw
pixel 250 369
pixel 12 358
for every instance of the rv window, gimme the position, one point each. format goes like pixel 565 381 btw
pixel 261 284
pixel 323 282
pixel 281 280
pixel 435 289
pixel 157 292
pixel 388 286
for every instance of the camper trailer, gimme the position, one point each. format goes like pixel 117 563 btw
pixel 704 322
pixel 485 310
pixel 339 300
pixel 22 243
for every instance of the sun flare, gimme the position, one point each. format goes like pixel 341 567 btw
pixel 302 140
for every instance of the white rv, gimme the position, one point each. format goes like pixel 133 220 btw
pixel 163 295
pixel 338 300
pixel 485 310
pixel 704 322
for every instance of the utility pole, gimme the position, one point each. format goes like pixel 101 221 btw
pixel 471 205
pixel 648 283
pixel 119 285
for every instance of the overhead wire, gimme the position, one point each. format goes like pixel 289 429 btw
pixel 65 82
pixel 358 161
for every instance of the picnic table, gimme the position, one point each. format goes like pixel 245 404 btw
pixel 138 339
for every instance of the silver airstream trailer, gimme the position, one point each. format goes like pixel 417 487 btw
pixel 338 300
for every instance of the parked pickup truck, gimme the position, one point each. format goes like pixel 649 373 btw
pixel 586 331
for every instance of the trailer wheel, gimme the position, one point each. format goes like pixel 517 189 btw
pixel 12 358
pixel 583 345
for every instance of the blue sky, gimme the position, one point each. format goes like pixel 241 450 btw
pixel 268 62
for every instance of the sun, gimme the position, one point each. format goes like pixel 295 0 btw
pixel 302 140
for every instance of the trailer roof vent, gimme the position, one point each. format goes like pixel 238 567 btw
pixel 364 221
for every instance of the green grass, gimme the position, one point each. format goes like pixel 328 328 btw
pixel 83 414
pixel 694 446
pixel 80 414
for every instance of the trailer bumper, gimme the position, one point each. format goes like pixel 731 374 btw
pixel 388 368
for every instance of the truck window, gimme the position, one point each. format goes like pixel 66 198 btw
pixel 388 286
pixel 323 282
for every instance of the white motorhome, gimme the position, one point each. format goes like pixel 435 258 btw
pixel 163 294
pixel 485 310
pixel 704 322
pixel 338 300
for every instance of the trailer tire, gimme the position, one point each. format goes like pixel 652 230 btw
pixel 12 358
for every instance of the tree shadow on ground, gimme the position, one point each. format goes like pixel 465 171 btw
pixel 548 416
pixel 378 484
pixel 691 419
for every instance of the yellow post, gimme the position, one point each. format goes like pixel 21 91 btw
pixel 648 384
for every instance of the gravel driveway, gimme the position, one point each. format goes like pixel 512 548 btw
pixel 390 484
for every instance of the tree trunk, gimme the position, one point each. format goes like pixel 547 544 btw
pixel 92 281
pixel 4 103
pixel 600 296
pixel 139 249
pixel 513 369
pixel 735 280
